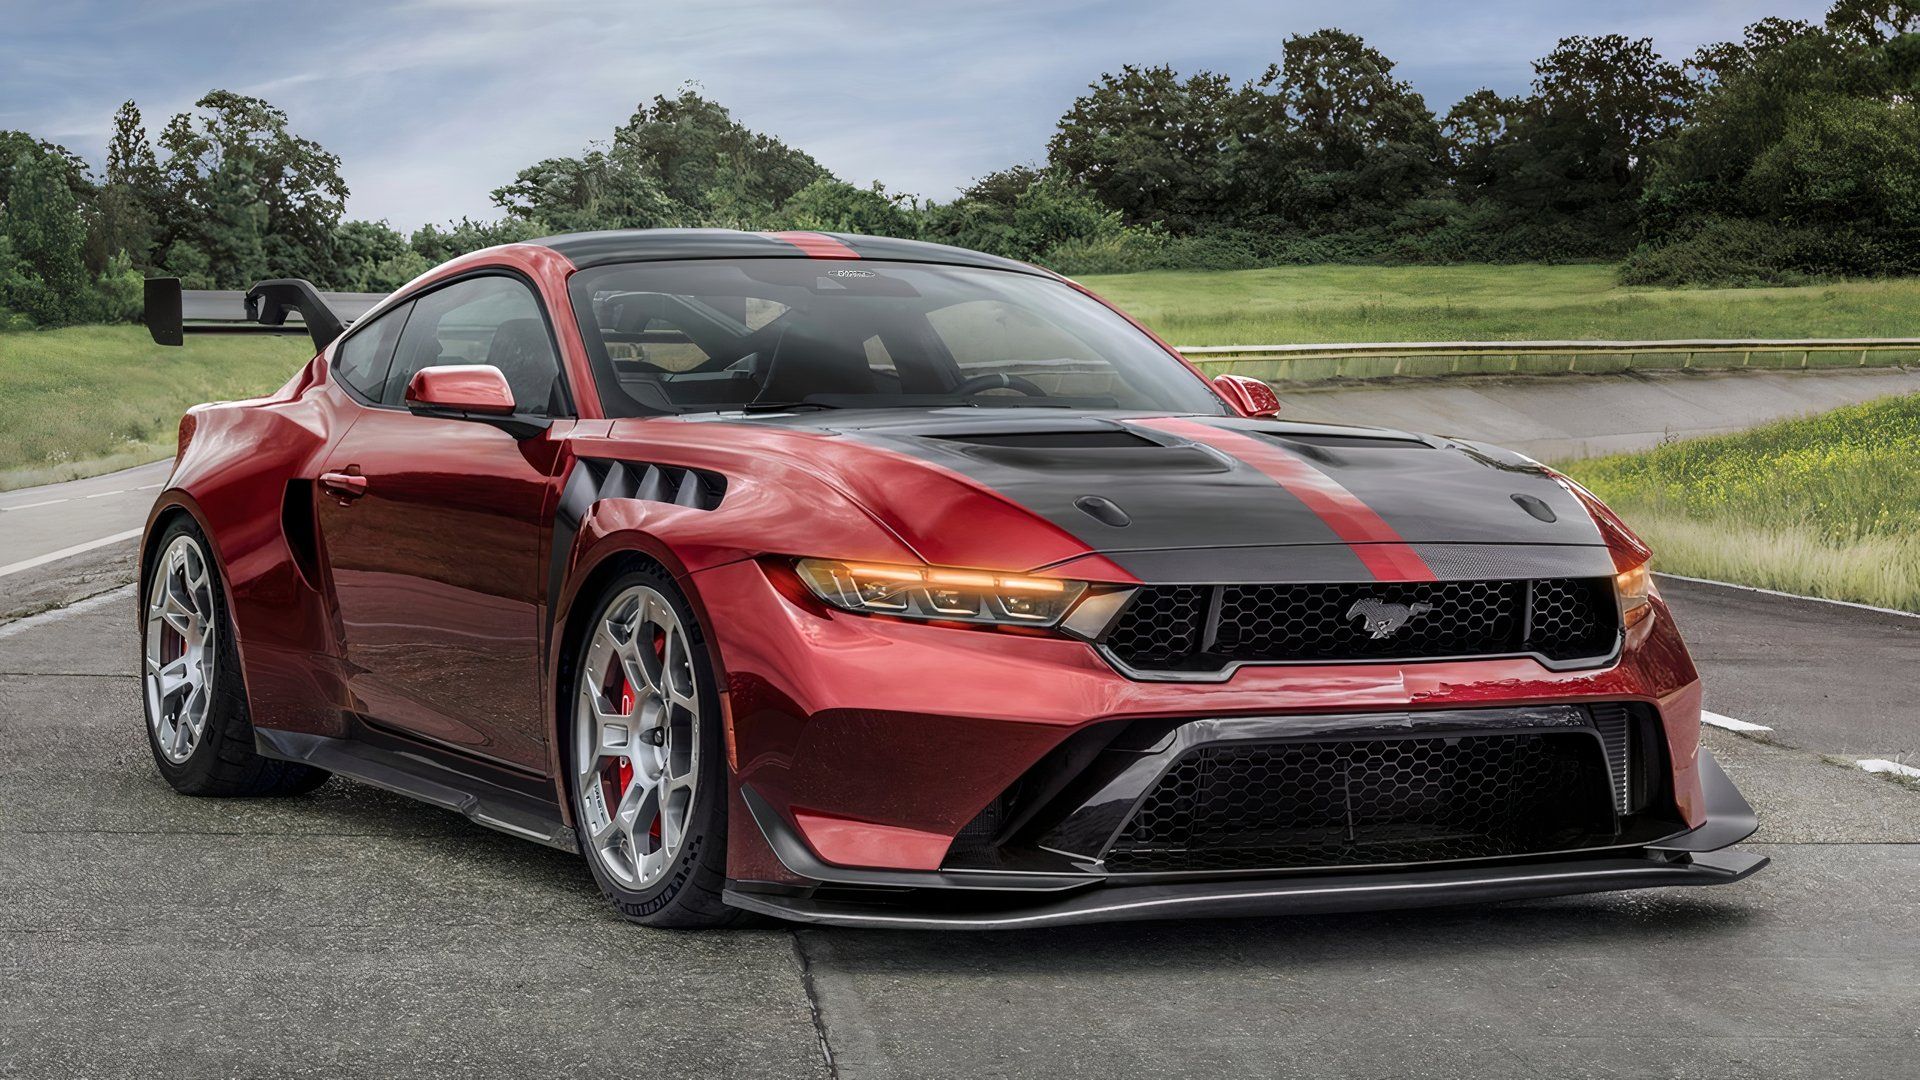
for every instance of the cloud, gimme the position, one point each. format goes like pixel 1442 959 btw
pixel 432 103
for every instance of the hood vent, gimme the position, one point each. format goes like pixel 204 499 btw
pixel 1352 442
pixel 1109 439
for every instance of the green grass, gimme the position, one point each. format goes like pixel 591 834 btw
pixel 89 399
pixel 1828 505
pixel 1313 304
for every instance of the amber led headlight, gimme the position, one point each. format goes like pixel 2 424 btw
pixel 934 592
pixel 1634 587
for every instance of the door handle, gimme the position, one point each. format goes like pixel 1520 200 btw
pixel 345 485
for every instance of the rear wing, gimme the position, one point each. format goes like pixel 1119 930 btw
pixel 173 312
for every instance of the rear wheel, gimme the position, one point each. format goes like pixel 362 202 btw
pixel 649 787
pixel 196 705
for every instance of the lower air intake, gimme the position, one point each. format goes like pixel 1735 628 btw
pixel 1410 800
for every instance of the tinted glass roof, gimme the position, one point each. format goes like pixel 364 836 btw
pixel 586 249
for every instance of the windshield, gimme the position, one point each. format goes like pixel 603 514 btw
pixel 771 334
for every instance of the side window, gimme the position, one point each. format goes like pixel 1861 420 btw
pixel 491 320
pixel 363 356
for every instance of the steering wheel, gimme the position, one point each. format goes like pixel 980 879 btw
pixel 999 382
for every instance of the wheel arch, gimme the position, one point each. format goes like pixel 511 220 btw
pixel 595 570
pixel 173 505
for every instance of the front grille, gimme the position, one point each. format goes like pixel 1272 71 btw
pixel 1242 806
pixel 1205 628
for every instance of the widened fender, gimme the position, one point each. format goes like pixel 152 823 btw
pixel 232 476
pixel 600 521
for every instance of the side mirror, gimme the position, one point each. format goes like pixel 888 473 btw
pixel 475 392
pixel 1249 396
pixel 461 388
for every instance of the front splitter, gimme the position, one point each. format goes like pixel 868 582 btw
pixel 1299 896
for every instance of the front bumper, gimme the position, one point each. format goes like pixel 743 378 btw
pixel 1001 900
pixel 877 740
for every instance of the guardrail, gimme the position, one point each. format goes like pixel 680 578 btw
pixel 1386 359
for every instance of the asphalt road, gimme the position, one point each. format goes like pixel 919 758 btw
pixel 65 541
pixel 351 932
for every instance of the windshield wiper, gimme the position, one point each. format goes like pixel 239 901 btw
pixel 785 406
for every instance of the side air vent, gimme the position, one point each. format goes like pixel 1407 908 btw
pixel 1615 724
pixel 297 525
pixel 694 488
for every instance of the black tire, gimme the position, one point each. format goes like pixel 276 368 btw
pixel 688 896
pixel 223 762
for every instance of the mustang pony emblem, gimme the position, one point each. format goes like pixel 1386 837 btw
pixel 1381 618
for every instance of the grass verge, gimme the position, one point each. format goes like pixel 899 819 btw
pixel 1827 505
pixel 90 399
pixel 1312 304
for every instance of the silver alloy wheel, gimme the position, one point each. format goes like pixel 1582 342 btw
pixel 637 737
pixel 180 648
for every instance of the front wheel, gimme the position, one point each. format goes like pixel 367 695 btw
pixel 645 768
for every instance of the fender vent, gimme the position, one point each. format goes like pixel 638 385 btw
pixel 673 484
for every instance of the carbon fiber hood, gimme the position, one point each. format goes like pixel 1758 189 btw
pixel 1219 499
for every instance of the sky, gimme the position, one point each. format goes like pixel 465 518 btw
pixel 431 104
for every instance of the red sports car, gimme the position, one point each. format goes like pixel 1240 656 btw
pixel 864 581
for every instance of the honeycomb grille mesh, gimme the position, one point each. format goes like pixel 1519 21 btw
pixel 1204 628
pixel 1161 625
pixel 1295 805
pixel 1573 616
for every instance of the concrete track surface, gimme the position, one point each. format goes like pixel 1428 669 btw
pixel 1557 417
pixel 351 932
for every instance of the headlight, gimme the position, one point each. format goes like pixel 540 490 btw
pixel 1635 588
pixel 933 592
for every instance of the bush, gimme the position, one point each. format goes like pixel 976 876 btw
pixel 1739 251
pixel 118 293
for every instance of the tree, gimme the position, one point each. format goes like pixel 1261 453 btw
pixel 1153 146
pixel 1801 158
pixel 1472 135
pixel 1714 62
pixel 837 206
pixel 73 169
pixel 1349 142
pixel 597 190
pixel 124 220
pixel 1874 21
pixel 291 195
pixel 45 278
pixel 709 162
pixel 1573 156
pixel 679 161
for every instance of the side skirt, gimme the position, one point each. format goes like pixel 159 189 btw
pixel 417 776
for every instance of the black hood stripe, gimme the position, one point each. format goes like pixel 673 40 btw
pixel 1386 556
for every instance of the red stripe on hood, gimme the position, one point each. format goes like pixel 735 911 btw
pixel 1386 556
pixel 816 245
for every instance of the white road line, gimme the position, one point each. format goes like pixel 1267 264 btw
pixel 146 487
pixel 56 556
pixel 98 600
pixel 104 494
pixel 1729 722
pixel 1882 765
pixel 31 505
pixel 1789 596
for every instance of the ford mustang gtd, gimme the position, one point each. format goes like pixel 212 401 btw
pixel 872 582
